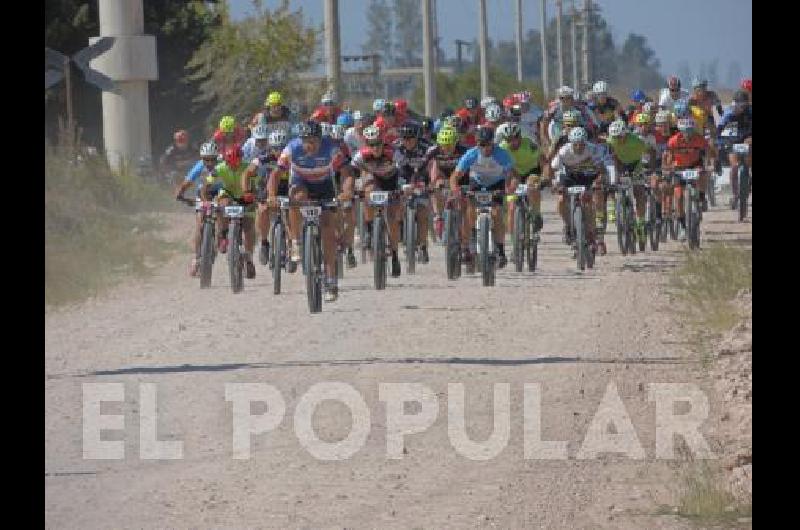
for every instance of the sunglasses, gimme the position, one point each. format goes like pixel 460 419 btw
pixel 485 144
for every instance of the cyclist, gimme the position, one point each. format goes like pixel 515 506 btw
pixel 686 150
pixel 275 114
pixel 527 163
pixel 738 119
pixel 672 93
pixel 179 157
pixel 442 159
pixel 229 134
pixel 471 116
pixel 379 172
pixel 328 110
pixel 197 176
pixel 347 216
pixel 386 122
pixel 490 167
pixel 606 108
pixel 354 137
pixel 312 160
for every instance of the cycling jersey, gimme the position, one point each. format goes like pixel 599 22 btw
pixel 327 114
pixel 687 153
pixel 606 112
pixel 630 150
pixel 197 174
pixel 741 125
pixel 445 162
pixel 381 167
pixel 666 100
pixel 354 140
pixel 224 141
pixel 282 120
pixel 529 122
pixel 589 160
pixel 316 167
pixel 483 170
pixel 411 163
pixel 526 158
pixel 229 178
pixel 390 134
pixel 700 117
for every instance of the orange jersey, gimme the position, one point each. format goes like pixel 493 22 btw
pixel 687 154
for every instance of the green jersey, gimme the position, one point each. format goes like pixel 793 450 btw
pixel 526 158
pixel 631 150
pixel 228 178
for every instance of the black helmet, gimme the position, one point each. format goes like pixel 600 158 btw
pixel 470 103
pixel 446 112
pixel 516 110
pixel 426 125
pixel 409 130
pixel 388 109
pixel 309 129
pixel 485 134
pixel 741 97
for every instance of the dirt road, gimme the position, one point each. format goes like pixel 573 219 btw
pixel 573 333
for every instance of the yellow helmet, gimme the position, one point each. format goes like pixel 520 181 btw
pixel 274 98
pixel 447 136
pixel 227 124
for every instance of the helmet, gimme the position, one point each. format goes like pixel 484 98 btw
pixel 508 101
pixel 447 136
pixel 484 134
pixel 409 130
pixel 261 132
pixel 686 124
pixel 453 121
pixel 372 133
pixel 747 84
pixel 470 103
pixel 648 107
pixel 233 157
pixel 600 88
pixel 426 125
pixel 378 105
pixel 278 138
pixel 328 98
pixel 516 110
pixel 681 108
pixel 345 119
pixel 642 119
pixel 577 134
pixel 326 128
pixel 699 83
pixel 448 111
pixel 501 133
pixel 638 95
pixel 401 105
pixel 571 118
pixel 274 98
pixel 617 128
pixel 367 118
pixel 309 129
pixel 524 97
pixel 662 116
pixel 208 150
pixel 513 130
pixel 673 82
pixel 565 91
pixel 741 97
pixel 337 132
pixel 181 137
pixel 487 101
pixel 227 124
pixel 493 112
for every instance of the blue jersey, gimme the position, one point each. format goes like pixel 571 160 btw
pixel 318 167
pixel 486 170
pixel 198 174
pixel 742 123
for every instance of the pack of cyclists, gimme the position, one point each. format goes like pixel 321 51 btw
pixel 338 154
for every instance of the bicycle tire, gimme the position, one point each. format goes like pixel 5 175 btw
pixel 744 191
pixel 580 237
pixel 235 262
pixel 312 252
pixel 278 253
pixel 519 236
pixel 379 253
pixel 411 240
pixel 487 264
pixel 207 254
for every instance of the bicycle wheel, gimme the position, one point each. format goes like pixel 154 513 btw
pixel 520 240
pixel 361 226
pixel 411 239
pixel 278 254
pixel 235 263
pixel 206 254
pixel 532 246
pixel 486 257
pixel 653 226
pixel 580 236
pixel 744 191
pixel 630 223
pixel 622 230
pixel 313 257
pixel 691 221
pixel 379 253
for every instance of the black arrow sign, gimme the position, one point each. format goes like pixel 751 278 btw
pixel 54 64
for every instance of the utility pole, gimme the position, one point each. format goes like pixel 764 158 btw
pixel 333 46
pixel 459 56
pixel 435 33
pixel 482 48
pixel 427 59
pixel 573 23
pixel 545 81
pixel 519 40
pixel 558 45
pixel 70 115
pixel 587 38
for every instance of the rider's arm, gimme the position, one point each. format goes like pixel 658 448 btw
pixel 248 174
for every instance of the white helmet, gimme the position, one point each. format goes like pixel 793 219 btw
pixel 501 133
pixel 662 116
pixel 278 137
pixel 378 104
pixel 372 133
pixel 648 107
pixel 565 91
pixel 326 128
pixel 493 112
pixel 337 132
pixel 328 98
pixel 509 130
pixel 578 134
pixel 261 132
pixel 357 115
pixel 209 149
pixel 617 128
pixel 488 101
pixel 600 88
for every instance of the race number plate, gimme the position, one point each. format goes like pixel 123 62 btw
pixel 311 212
pixel 741 149
pixel 234 211
pixel 730 131
pixel 522 189
pixel 483 197
pixel 690 174
pixel 576 189
pixel 379 197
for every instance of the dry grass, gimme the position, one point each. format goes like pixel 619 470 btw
pixel 94 230
pixel 704 501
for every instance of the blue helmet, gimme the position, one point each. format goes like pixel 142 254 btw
pixel 345 119
pixel 638 95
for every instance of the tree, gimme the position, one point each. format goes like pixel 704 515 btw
pixel 734 74
pixel 684 72
pixel 379 32
pixel 638 64
pixel 241 61
pixel 408 33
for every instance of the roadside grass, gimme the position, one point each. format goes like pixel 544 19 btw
pixel 97 226
pixel 703 501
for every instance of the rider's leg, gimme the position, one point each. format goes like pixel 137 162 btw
pixel 393 218
pixel 422 225
pixel 328 233
pixel 734 174
pixel 297 193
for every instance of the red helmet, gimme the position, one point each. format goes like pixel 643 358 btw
pixel 673 82
pixel 400 105
pixel 508 102
pixel 747 84
pixel 181 137
pixel 232 157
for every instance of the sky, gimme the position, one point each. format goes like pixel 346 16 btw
pixel 696 31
